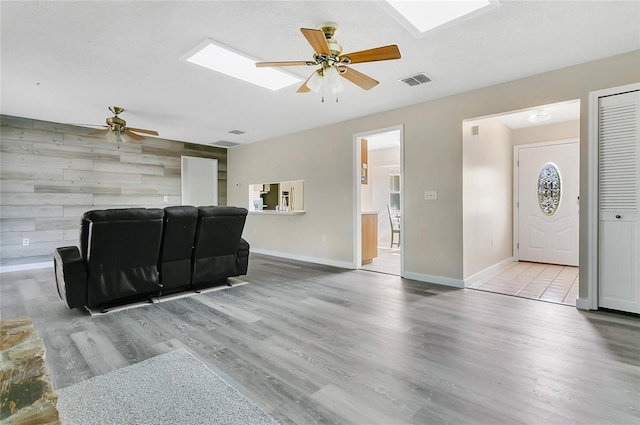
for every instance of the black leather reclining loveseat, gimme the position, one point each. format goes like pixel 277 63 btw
pixel 134 254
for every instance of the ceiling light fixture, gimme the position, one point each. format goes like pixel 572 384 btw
pixel 420 16
pixel 217 57
pixel 117 136
pixel 327 76
pixel 539 115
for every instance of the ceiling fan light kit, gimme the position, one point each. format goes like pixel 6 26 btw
pixel 333 64
pixel 117 130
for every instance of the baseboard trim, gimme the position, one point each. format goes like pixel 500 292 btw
pixel 22 267
pixel 315 260
pixel 439 280
pixel 583 304
pixel 484 273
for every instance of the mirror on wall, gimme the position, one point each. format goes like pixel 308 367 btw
pixel 277 197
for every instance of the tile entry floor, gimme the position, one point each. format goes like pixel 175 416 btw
pixel 544 282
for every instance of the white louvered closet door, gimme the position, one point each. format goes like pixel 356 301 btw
pixel 619 196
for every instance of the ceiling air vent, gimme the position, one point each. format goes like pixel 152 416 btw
pixel 237 132
pixel 416 80
pixel 224 144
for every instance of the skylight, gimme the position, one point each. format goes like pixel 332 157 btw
pixel 218 58
pixel 425 15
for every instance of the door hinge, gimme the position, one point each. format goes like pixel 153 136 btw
pixel 518 245
pixel 517 204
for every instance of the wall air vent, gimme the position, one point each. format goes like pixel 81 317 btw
pixel 237 132
pixel 224 144
pixel 416 80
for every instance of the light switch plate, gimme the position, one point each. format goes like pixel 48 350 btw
pixel 430 195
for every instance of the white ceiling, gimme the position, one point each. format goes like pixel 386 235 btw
pixel 388 139
pixel 67 61
pixel 557 112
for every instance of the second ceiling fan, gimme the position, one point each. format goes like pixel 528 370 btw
pixel 333 63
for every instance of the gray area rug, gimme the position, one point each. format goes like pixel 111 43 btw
pixel 173 388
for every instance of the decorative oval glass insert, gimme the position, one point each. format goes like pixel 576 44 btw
pixel 549 189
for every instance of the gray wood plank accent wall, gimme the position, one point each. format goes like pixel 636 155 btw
pixel 50 174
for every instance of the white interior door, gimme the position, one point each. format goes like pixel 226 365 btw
pixel 199 181
pixel 619 192
pixel 548 190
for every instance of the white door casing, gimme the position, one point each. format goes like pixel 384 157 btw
pixel 551 236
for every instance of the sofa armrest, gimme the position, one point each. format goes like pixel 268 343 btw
pixel 243 257
pixel 71 276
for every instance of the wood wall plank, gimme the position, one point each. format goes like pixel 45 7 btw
pixel 11 211
pixel 16 146
pixel 80 176
pixel 123 167
pixel 48 223
pixel 15 238
pixel 46 198
pixel 152 189
pixel 101 143
pixel 56 127
pixel 53 173
pixel 167 161
pixel 15 122
pixel 127 200
pixel 31 174
pixel 16 161
pixel 17 224
pixel 35 249
pixel 13 133
pixel 91 151
pixel 16 186
pixel 70 186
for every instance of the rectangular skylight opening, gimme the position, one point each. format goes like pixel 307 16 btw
pixel 421 16
pixel 219 58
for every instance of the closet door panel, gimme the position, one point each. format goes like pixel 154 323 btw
pixel 619 195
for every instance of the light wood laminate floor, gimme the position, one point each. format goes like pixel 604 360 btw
pixel 314 344
pixel 544 282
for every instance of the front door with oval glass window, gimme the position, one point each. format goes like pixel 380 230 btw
pixel 547 199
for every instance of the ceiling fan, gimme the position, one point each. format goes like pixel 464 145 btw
pixel 333 63
pixel 116 128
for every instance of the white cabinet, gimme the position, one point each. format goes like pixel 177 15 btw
pixel 619 195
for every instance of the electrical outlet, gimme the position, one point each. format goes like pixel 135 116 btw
pixel 25 242
pixel 430 195
pixel 166 199
pixel 324 238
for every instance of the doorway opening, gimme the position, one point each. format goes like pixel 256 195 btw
pixel 520 202
pixel 378 212
pixel 199 181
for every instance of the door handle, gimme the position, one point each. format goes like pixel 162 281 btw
pixel 618 216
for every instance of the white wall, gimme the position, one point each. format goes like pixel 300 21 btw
pixel 546 133
pixel 433 230
pixel 488 195
pixel 324 161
